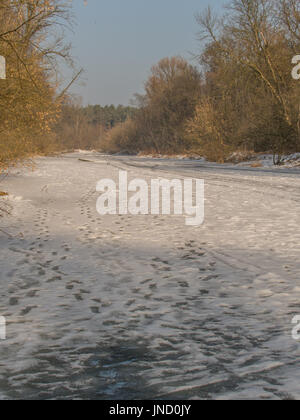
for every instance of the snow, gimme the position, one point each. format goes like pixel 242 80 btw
pixel 144 306
pixel 267 161
pixel 250 161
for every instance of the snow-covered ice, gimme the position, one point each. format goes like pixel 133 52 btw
pixel 143 306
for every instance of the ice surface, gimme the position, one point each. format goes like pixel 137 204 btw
pixel 144 306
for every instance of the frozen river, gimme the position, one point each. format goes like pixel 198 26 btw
pixel 145 307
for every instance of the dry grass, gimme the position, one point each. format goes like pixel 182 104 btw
pixel 256 165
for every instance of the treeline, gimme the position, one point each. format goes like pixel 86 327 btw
pixel 159 124
pixel 86 127
pixel 238 96
pixel 108 116
pixel 31 40
pixel 242 97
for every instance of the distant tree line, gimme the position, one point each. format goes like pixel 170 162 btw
pixel 86 127
pixel 108 116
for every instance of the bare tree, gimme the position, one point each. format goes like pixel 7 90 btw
pixel 32 41
pixel 253 35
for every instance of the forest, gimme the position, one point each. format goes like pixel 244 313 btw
pixel 237 96
pixel 80 127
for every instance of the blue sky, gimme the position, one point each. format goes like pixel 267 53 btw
pixel 117 42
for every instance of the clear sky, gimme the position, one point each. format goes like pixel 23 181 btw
pixel 117 42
